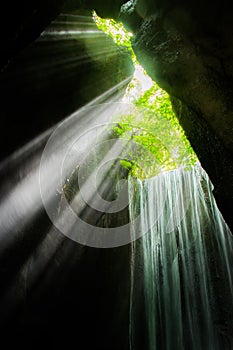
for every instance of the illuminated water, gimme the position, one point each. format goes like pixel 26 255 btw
pixel 181 274
pixel 181 295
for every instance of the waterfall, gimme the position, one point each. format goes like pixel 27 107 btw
pixel 181 268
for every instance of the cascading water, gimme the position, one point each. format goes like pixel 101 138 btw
pixel 181 273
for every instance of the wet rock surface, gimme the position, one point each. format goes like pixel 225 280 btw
pixel 187 48
pixel 82 294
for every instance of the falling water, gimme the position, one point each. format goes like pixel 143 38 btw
pixel 181 274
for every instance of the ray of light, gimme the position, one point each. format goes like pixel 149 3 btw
pixel 23 202
pixel 20 195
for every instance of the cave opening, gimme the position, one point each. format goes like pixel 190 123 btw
pixel 110 233
pixel 152 123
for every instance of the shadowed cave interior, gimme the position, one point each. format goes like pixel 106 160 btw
pixel 56 65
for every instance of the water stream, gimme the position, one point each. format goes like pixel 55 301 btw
pixel 181 273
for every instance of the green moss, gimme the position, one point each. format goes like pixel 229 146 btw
pixel 156 141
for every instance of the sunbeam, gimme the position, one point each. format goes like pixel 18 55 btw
pixel 110 236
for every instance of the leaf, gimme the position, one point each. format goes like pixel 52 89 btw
pixel 126 164
pixel 159 142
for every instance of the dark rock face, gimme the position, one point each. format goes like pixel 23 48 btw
pixel 53 287
pixel 57 74
pixel 187 48
pixel 59 292
pixel 22 22
pixel 54 290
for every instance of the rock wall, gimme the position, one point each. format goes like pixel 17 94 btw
pixel 186 47
pixel 71 63
pixel 54 291
pixel 81 294
pixel 191 58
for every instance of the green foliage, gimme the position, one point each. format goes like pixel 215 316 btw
pixel 126 164
pixel 155 140
pixel 116 31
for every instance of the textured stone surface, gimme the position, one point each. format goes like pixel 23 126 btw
pixel 22 22
pixel 53 290
pixel 81 295
pixel 55 75
pixel 187 48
